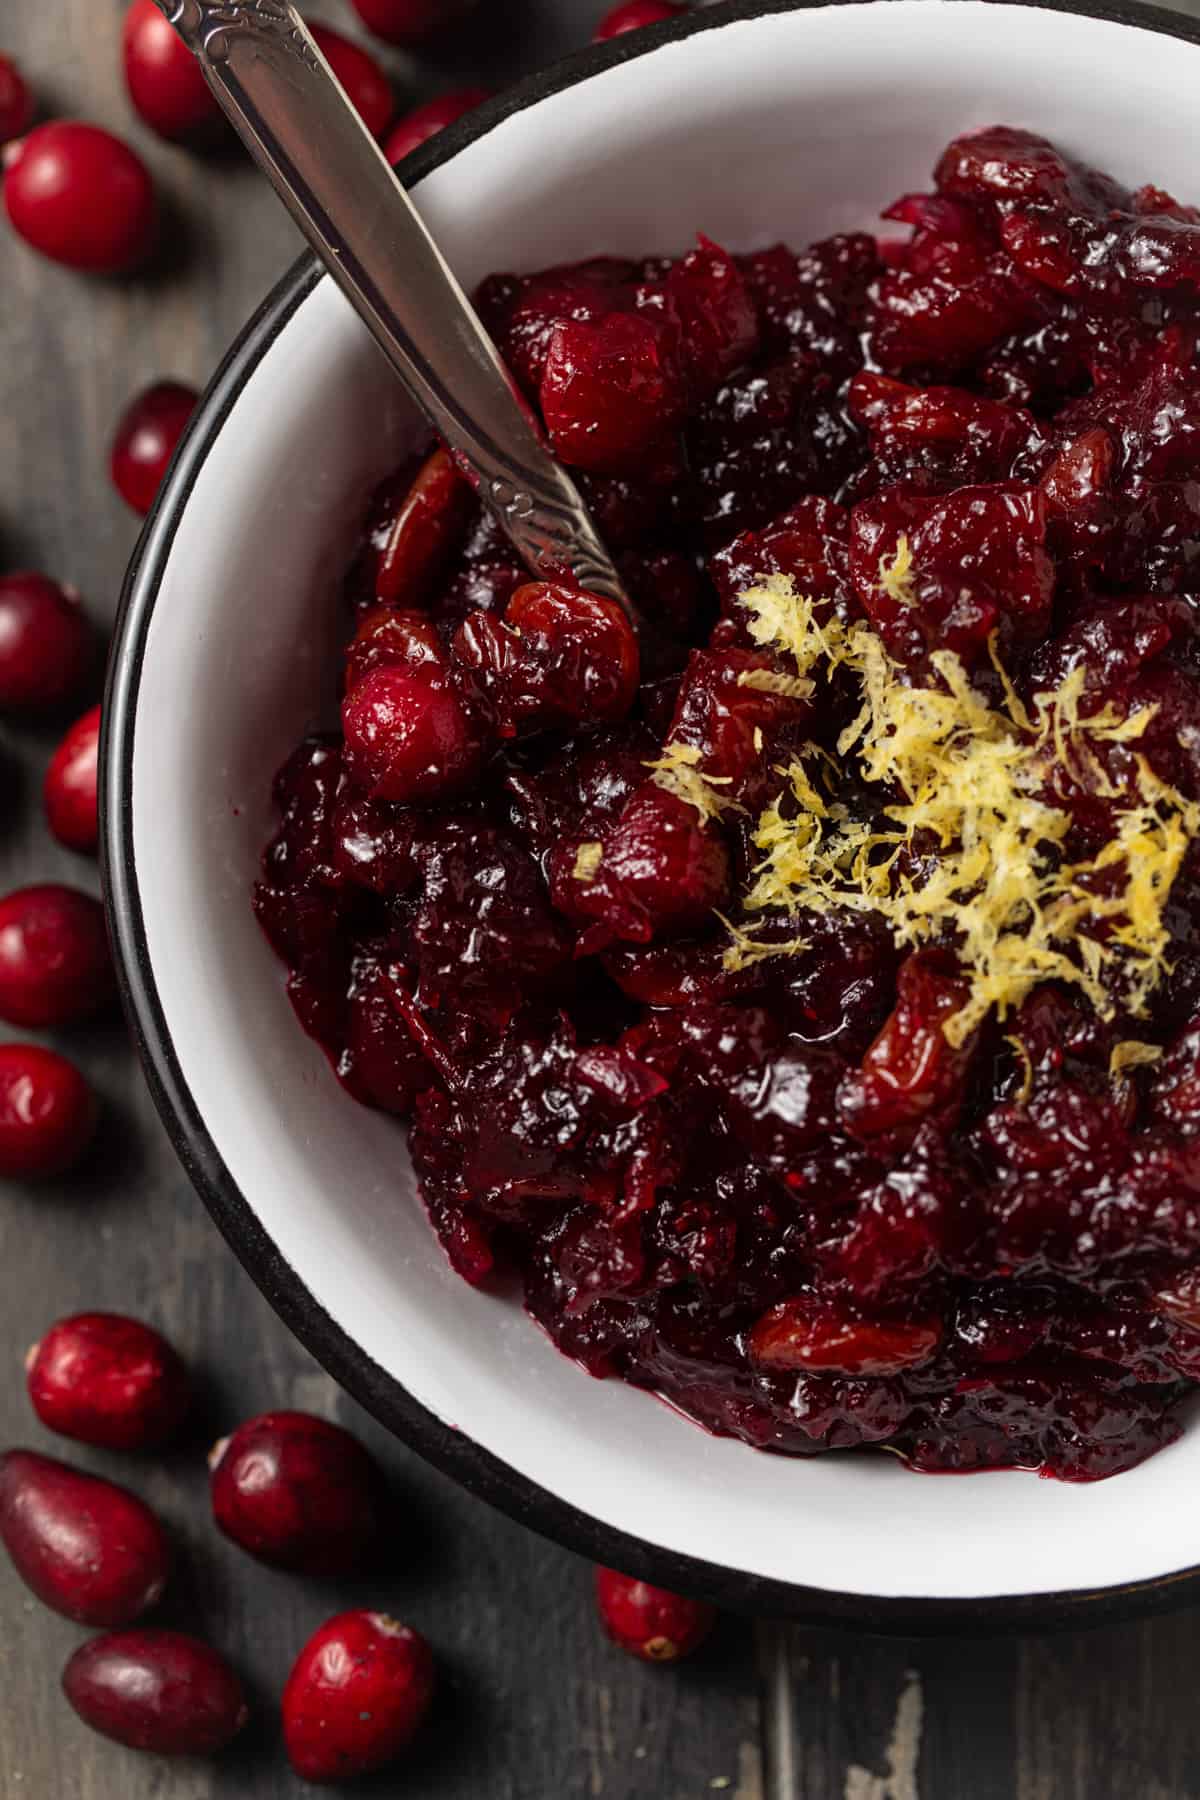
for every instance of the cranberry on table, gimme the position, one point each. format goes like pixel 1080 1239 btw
pixel 357 1693
pixel 146 440
pixel 108 1380
pixel 423 122
pixel 55 963
pixel 87 1548
pixel 69 792
pixel 650 1622
pixel 298 1492
pixel 48 1113
pixel 408 22
pixel 163 77
pixel 81 197
pixel 633 14
pixel 45 642
pixel 16 101
pixel 160 1691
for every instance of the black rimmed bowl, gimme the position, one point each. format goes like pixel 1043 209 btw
pixel 752 122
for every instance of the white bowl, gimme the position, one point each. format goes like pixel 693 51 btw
pixel 753 122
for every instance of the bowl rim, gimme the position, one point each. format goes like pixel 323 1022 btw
pixel 380 1393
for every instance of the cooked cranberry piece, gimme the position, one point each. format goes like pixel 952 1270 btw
pixel 45 642
pixel 610 391
pixel 163 77
pixel 560 657
pixel 632 15
pixel 156 1690
pixel 146 440
pixel 409 22
pixel 911 1072
pixel 87 1548
pixel 368 87
pixel 81 197
pixel 47 1112
pixel 661 868
pixel 16 101
pixel 297 1492
pixel 423 122
pixel 69 793
pixel 650 1622
pixel 424 534
pixel 804 1334
pixel 409 734
pixel 55 964
pixel 108 1380
pixel 707 298
pixel 358 1693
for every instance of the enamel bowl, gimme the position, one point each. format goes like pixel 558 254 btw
pixel 752 122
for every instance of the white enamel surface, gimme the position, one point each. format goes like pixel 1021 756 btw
pixel 786 126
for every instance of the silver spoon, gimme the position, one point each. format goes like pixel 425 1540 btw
pixel 289 109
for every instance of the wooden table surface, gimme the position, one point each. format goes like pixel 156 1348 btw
pixel 535 1704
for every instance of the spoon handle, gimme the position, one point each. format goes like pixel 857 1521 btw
pixel 286 105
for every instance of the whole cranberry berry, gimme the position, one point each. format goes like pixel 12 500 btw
pixel 163 77
pixel 45 642
pixel 410 737
pixel 55 964
pixel 632 15
pixel 80 196
pixel 361 76
pixel 298 1492
pixel 146 440
pixel 423 122
pixel 108 1380
pixel 69 793
pixel 650 1622
pixel 359 1689
pixel 16 101
pixel 47 1112
pixel 409 22
pixel 156 1690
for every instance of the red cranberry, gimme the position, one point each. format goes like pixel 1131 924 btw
pixel 16 101
pixel 423 122
pixel 361 76
pixel 163 77
pixel 297 1492
pixel 650 1622
pixel 150 429
pixel 409 737
pixel 88 1549
pixel 561 657
pixel 47 1112
pixel 55 964
pixel 80 196
pixel 358 1691
pixel 45 642
pixel 633 14
pixel 800 1335
pixel 108 1380
pixel 426 530
pixel 409 21
pixel 610 391
pixel 158 1691
pixel 70 787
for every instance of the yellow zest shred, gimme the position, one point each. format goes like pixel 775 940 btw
pixel 677 770
pixel 746 950
pixel 772 681
pixel 588 858
pixel 783 620
pixel 896 576
pixel 1017 1045
pixel 1130 1054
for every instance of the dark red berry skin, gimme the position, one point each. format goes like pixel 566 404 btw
pixel 55 964
pixel 298 1492
pixel 45 642
pixel 409 22
pixel 16 101
pixel 87 1548
pixel 633 15
pixel 81 197
pixel 47 1113
pixel 163 77
pixel 146 439
pixel 360 75
pixel 69 793
pixel 423 122
pixel 358 1691
pixel 107 1380
pixel 650 1622
pixel 156 1690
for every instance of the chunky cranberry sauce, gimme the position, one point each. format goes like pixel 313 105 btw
pixel 803 994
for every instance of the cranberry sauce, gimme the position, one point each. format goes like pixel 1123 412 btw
pixel 777 1189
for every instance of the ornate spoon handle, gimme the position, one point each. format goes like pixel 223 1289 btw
pixel 286 105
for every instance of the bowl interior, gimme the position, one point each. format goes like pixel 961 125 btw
pixel 790 124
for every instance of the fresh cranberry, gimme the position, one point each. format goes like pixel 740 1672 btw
pixel 356 1695
pixel 47 1112
pixel 409 22
pixel 69 792
pixel 650 1622
pixel 146 440
pixel 423 122
pixel 55 964
pixel 45 642
pixel 156 1690
pixel 164 80
pixel 16 101
pixel 409 734
pixel 297 1492
pixel 88 1549
pixel 364 81
pixel 108 1380
pixel 633 14
pixel 80 196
